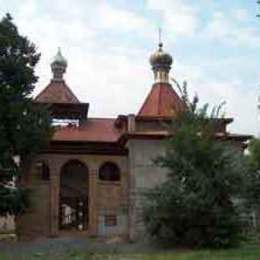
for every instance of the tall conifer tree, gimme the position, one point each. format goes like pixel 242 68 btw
pixel 24 127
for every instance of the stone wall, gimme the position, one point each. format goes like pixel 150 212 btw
pixel 143 174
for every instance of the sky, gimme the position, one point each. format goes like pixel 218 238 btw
pixel 107 43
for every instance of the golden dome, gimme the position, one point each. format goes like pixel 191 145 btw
pixel 161 59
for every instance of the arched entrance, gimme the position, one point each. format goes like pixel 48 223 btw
pixel 74 186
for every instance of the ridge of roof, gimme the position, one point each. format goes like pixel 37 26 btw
pixel 56 92
pixel 162 101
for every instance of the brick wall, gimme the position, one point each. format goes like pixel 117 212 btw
pixel 36 220
pixel 43 217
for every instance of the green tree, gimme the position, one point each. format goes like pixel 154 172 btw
pixel 196 206
pixel 253 191
pixel 254 153
pixel 24 127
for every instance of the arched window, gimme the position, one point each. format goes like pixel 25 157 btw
pixel 109 172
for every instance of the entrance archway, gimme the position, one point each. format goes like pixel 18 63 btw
pixel 73 206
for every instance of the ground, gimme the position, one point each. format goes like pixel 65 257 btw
pixel 79 248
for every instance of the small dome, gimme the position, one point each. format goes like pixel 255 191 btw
pixel 58 66
pixel 59 59
pixel 161 59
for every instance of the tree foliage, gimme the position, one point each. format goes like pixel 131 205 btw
pixel 254 153
pixel 24 127
pixel 195 206
pixel 253 191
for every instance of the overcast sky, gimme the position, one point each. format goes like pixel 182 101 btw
pixel 215 46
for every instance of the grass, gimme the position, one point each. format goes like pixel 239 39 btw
pixel 246 253
pixel 4 232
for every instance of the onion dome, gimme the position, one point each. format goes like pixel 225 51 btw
pixel 161 64
pixel 58 66
pixel 161 59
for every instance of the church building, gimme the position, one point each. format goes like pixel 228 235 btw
pixel 90 178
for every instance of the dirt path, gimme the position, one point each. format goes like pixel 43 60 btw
pixel 68 245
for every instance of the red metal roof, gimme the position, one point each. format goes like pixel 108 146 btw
pixel 57 92
pixel 104 130
pixel 92 130
pixel 162 101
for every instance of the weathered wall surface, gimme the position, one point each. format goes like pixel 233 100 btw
pixel 143 174
pixel 121 226
pixel 112 200
pixel 105 198
pixel 36 220
pixel 157 125
pixel 7 224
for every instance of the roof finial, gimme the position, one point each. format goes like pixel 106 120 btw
pixel 161 62
pixel 58 66
pixel 160 37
